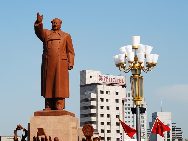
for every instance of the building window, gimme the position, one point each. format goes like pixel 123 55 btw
pixel 91 122
pixel 102 123
pixel 117 100
pixel 128 94
pixel 117 116
pixel 108 131
pixel 108 123
pixel 101 115
pixel 107 107
pixel 102 99
pixel 117 139
pixel 90 76
pixel 117 108
pixel 101 92
pixel 92 107
pixel 108 138
pixel 107 92
pixel 102 130
pixel 107 100
pixel 117 131
pixel 93 99
pixel 117 93
pixel 108 115
pixel 92 114
pixel 117 124
pixel 102 107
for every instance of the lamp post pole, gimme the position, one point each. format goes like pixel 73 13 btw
pixel 132 58
pixel 138 128
pixel 137 87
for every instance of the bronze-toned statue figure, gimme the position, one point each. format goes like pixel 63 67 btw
pixel 57 59
pixel 24 136
pixel 88 131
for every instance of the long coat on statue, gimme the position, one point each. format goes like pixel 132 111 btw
pixel 58 54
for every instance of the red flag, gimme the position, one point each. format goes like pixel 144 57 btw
pixel 159 127
pixel 130 131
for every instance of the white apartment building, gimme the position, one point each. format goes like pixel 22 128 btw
pixel 130 119
pixel 177 133
pixel 166 118
pixel 102 103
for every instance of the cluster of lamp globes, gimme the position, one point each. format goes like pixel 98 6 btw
pixel 136 54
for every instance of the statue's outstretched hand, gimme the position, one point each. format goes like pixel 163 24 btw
pixel 39 18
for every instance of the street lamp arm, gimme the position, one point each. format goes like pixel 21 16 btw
pixel 123 67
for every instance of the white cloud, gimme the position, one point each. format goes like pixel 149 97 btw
pixel 177 92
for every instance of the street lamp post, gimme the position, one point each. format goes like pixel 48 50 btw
pixel 136 58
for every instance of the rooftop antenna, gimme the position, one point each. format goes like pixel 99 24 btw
pixel 161 106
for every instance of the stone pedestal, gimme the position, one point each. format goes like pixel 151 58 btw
pixel 56 123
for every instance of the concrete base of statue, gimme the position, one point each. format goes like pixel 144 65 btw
pixel 54 123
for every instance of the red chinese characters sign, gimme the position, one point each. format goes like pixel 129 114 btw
pixel 108 79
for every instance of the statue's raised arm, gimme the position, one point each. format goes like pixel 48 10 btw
pixel 39 18
pixel 38 26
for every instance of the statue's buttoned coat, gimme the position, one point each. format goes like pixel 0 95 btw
pixel 58 55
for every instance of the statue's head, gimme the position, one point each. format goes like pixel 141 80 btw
pixel 56 24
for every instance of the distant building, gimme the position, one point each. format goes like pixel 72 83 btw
pixel 130 119
pixel 102 103
pixel 166 118
pixel 177 133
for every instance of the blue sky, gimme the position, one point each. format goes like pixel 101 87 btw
pixel 98 29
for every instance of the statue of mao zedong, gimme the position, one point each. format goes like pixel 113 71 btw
pixel 57 60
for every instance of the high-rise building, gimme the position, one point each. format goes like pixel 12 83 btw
pixel 130 119
pixel 102 103
pixel 166 118
pixel 177 133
